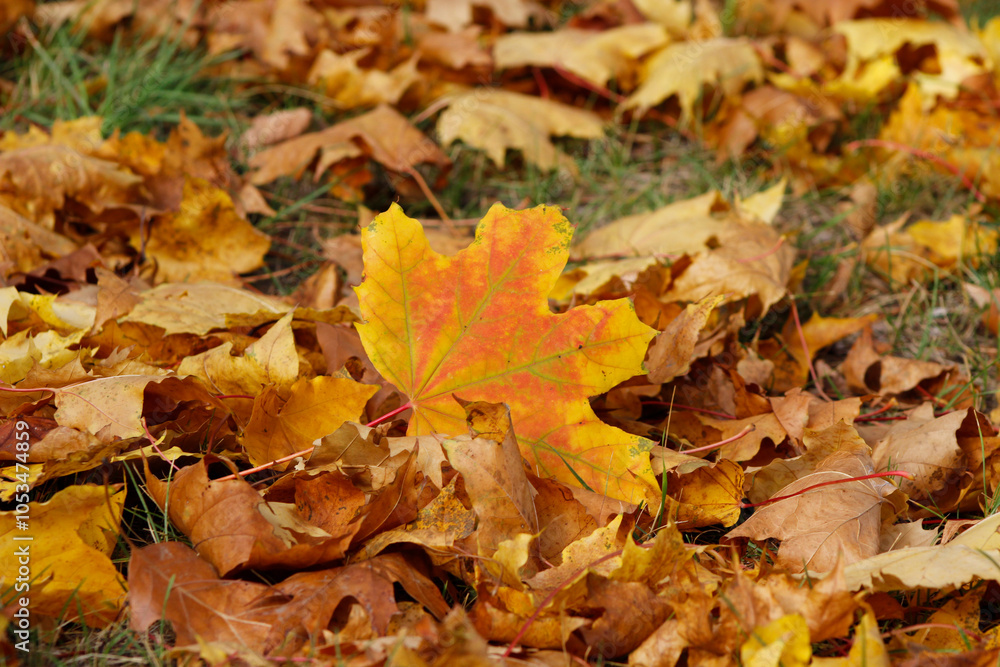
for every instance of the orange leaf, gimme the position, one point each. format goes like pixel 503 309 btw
pixel 313 408
pixel 478 325
pixel 233 527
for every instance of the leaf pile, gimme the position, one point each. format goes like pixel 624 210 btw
pixel 479 455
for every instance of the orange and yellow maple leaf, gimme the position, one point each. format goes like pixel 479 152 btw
pixel 477 325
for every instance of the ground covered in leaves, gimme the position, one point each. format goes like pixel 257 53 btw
pixel 714 383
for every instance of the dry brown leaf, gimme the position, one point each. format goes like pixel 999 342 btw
pixel 36 181
pixel 397 502
pixel 672 351
pixel 731 255
pixel 275 31
pixel 827 606
pixel 171 582
pixel 491 466
pixel 234 528
pixel 455 50
pixel 791 363
pixel 820 526
pixel 765 428
pixel 930 449
pixel 457 14
pixel 867 370
pixel 383 134
pixel 274 128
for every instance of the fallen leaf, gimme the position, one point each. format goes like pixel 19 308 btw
pixel 171 582
pixel 205 240
pixel 274 31
pixel 457 14
pixel 683 68
pixel 595 56
pixel 343 80
pixel 872 45
pixel 270 361
pixel 37 180
pixel 199 307
pixel 924 567
pixel 110 408
pixel 821 525
pixel 672 351
pixel 78 525
pixel 784 641
pixel 827 606
pixel 233 528
pixel 491 466
pixel 280 425
pixel 168 580
pixel 928 448
pixel 495 120
pixel 792 365
pixel 274 128
pixel 730 256
pixel 888 375
pixel 539 363
pixel 707 495
pixel 383 134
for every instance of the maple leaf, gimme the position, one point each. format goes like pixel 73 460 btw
pixel 77 525
pixel 823 524
pixel 233 527
pixel 205 240
pixel 683 68
pixel 592 55
pixel 495 120
pixel 477 325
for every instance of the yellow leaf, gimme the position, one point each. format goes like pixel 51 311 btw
pixel 495 120
pixel 272 360
pixel 205 240
pixel 477 325
pixel 314 408
pixel 68 566
pixel 782 642
pixel 683 68
pixel 199 307
pixel 596 56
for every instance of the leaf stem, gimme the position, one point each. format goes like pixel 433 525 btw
pixel 891 473
pixel 307 452
pixel 749 428
pixel 551 596
pixel 805 350
pixel 389 415
pixel 765 254
pixel 916 152
pixel 869 415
